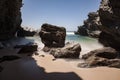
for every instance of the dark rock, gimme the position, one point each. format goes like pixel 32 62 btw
pixel 1 45
pixel 109 13
pixel 101 57
pixel 10 18
pixel 91 25
pixel 9 58
pixel 109 40
pixel 82 31
pixel 28 48
pixel 52 36
pixel 22 32
pixel 67 52
pixel 1 69
pixel 105 52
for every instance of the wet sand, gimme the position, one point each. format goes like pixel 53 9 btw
pixel 39 67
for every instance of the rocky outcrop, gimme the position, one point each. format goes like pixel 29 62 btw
pixel 109 13
pixel 101 57
pixel 28 48
pixel 52 36
pixel 91 26
pixel 10 18
pixel 25 31
pixel 82 30
pixel 71 51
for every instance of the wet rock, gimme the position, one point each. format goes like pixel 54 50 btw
pixel 101 57
pixel 52 36
pixel 10 18
pixel 72 51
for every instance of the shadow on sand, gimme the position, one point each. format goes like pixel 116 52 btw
pixel 26 68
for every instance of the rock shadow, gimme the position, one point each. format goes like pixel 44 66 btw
pixel 26 68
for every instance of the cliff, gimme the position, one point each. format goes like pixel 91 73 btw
pixel 10 18
pixel 109 13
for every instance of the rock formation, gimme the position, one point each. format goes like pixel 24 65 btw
pixel 28 48
pixel 69 51
pixel 91 26
pixel 52 36
pixel 10 18
pixel 101 57
pixel 25 31
pixel 109 13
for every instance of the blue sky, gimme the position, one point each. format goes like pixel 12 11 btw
pixel 66 13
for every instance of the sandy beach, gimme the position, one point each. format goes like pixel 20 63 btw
pixel 44 67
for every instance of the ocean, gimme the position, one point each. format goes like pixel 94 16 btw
pixel 87 43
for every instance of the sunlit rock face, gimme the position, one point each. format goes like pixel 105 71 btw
pixel 91 26
pixel 109 13
pixel 106 56
pixel 10 18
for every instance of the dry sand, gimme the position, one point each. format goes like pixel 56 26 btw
pixel 39 67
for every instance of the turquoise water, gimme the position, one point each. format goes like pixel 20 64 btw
pixel 78 38
pixel 87 43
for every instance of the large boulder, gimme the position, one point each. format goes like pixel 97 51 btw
pixel 109 13
pixel 52 36
pixel 101 57
pixel 90 26
pixel 70 51
pixel 10 18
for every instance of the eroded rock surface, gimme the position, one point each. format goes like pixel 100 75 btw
pixel 69 51
pixel 101 57
pixel 91 26
pixel 52 36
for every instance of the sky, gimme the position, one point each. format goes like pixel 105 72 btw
pixel 64 13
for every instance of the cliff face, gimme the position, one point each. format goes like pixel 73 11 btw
pixel 109 13
pixel 91 25
pixel 10 18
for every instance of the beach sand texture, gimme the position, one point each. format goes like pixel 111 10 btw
pixel 39 67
